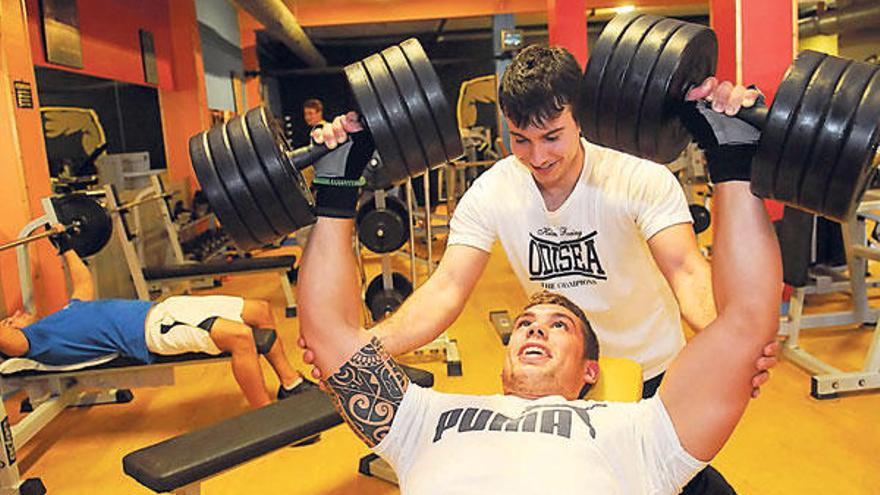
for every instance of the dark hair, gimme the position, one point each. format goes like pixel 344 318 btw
pixel 591 342
pixel 314 104
pixel 538 83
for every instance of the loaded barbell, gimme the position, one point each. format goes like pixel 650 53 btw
pixel 819 137
pixel 251 176
pixel 83 218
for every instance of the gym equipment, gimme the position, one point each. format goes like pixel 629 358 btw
pixel 84 219
pixel 502 323
pixel 162 277
pixel 796 234
pixel 107 382
pixel 251 176
pixel 180 464
pixel 819 138
pixel 383 298
pixel 383 229
pixel 702 217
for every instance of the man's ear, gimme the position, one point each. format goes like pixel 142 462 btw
pixel 591 371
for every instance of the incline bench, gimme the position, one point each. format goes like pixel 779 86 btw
pixel 180 464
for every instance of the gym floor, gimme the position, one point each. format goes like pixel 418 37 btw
pixel 787 443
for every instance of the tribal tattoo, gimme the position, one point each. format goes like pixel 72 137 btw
pixel 367 390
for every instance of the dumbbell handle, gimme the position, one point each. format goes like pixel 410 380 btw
pixel 755 114
pixel 306 156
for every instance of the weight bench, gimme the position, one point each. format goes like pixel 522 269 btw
pixel 180 464
pixel 182 271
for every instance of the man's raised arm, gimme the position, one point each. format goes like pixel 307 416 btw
pixel 366 384
pixel 708 385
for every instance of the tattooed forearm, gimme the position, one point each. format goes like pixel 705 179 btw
pixel 367 390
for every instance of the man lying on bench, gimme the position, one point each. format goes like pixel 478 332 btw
pixel 538 437
pixel 86 329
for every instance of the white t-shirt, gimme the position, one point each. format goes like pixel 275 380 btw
pixel 466 444
pixel 592 249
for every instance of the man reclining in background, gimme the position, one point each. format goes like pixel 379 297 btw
pixel 538 437
pixel 86 329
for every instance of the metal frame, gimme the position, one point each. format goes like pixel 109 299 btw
pixel 135 262
pixel 828 381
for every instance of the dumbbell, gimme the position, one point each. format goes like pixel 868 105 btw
pixel 251 176
pixel 383 300
pixel 818 139
pixel 383 229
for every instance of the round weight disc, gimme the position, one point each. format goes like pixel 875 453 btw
pixel 239 194
pixel 398 117
pixel 765 165
pixel 383 137
pixel 637 80
pixel 832 136
pixel 381 300
pixel 215 191
pixel 807 122
pixel 251 168
pixel 444 118
pixel 612 84
pixel 594 75
pixel 416 104
pixel 688 58
pixel 94 224
pixel 271 147
pixel 858 158
pixel 701 216
pixel 381 230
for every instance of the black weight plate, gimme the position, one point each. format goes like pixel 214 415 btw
pixel 701 216
pixel 383 301
pixel 251 167
pixel 381 230
pixel 688 58
pixel 858 158
pixel 215 191
pixel 393 163
pixel 269 143
pixel 637 80
pixel 398 117
pixel 594 75
pixel 444 118
pixel 236 187
pixel 416 105
pixel 805 126
pixel 765 165
pixel 612 85
pixel 832 136
pixel 94 224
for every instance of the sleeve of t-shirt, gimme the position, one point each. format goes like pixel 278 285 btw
pixel 402 441
pixel 471 224
pixel 656 199
pixel 667 465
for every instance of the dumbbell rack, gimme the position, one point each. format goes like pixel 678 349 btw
pixel 828 381
pixel 442 347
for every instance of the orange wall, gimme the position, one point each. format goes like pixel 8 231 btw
pixel 110 39
pixel 247 26
pixel 185 104
pixel 24 177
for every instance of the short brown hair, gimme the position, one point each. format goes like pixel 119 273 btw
pixel 314 104
pixel 591 342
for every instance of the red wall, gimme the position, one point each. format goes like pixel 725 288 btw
pixel 109 32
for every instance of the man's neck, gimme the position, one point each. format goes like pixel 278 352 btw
pixel 555 194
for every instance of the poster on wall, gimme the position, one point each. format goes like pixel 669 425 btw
pixel 61 32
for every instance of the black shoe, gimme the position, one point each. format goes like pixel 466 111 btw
pixel 303 386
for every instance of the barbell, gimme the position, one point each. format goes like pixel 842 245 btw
pixel 819 138
pixel 84 219
pixel 252 178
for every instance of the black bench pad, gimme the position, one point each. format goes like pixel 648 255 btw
pixel 263 338
pixel 219 267
pixel 199 454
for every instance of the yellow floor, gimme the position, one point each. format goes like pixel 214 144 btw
pixel 787 443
